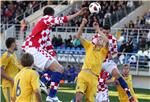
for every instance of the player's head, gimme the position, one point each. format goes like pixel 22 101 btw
pixel 106 29
pixel 11 43
pixel 27 60
pixel 97 40
pixel 126 69
pixel 48 11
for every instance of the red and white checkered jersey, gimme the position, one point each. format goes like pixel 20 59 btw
pixel 102 86
pixel 40 34
pixel 112 46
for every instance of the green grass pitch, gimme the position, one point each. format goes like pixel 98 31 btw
pixel 67 91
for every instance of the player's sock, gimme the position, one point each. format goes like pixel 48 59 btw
pixel 124 86
pixel 55 79
pixel 46 76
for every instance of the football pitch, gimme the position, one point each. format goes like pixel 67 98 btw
pixel 67 91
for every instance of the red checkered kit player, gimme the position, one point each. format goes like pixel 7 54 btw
pixel 109 65
pixel 38 44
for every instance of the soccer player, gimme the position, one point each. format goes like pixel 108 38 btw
pixel 38 43
pixel 128 78
pixel 109 65
pixel 96 52
pixel 9 67
pixel 26 82
pixel 104 79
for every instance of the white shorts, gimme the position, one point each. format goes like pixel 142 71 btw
pixel 41 57
pixel 109 65
pixel 102 96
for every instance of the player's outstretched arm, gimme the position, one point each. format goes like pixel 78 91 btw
pixel 80 30
pixel 54 21
pixel 79 13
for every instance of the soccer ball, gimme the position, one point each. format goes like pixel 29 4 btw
pixel 94 7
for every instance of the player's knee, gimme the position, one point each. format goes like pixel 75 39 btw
pixel 61 69
pixel 115 73
pixel 56 67
pixel 79 97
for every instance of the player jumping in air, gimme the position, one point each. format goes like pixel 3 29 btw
pixel 87 79
pixel 38 44
pixel 109 65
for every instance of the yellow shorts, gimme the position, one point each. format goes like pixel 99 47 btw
pixel 7 93
pixel 87 84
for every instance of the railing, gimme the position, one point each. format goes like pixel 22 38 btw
pixel 137 63
pixel 125 32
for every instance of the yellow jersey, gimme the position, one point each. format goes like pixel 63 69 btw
pixel 11 66
pixel 25 82
pixel 94 57
pixel 122 94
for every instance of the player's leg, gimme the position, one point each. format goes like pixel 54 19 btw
pixel 81 86
pixel 46 76
pixel 105 97
pixel 90 94
pixel 111 67
pixel 45 79
pixel 45 61
pixel 98 96
pixel 79 96
pixel 55 78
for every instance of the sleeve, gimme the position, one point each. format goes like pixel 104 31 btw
pixel 5 59
pixel 51 20
pixel 35 80
pixel 85 43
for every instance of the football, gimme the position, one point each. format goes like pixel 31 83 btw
pixel 94 7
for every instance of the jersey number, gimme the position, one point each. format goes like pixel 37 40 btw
pixel 18 90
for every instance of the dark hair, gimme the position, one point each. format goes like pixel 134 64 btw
pixel 106 27
pixel 27 60
pixel 48 11
pixel 9 41
pixel 126 65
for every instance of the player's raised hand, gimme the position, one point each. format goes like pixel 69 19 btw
pixel 84 21
pixel 83 11
pixel 96 26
